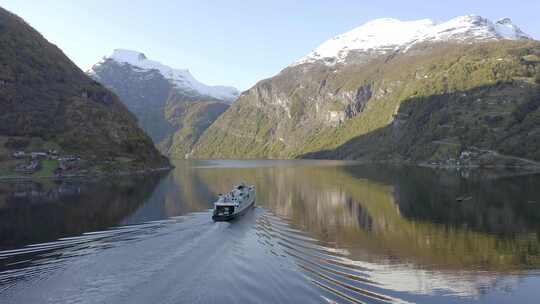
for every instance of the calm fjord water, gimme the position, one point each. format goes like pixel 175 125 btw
pixel 321 232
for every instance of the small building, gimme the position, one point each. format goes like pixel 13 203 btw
pixel 28 168
pixel 39 155
pixel 465 154
pixel 58 172
pixel 19 154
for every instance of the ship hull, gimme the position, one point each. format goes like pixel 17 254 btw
pixel 230 217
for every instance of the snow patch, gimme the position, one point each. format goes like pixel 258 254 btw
pixel 387 34
pixel 181 78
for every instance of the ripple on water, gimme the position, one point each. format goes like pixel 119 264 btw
pixel 187 252
pixel 338 277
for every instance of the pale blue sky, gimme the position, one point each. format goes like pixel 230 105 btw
pixel 232 42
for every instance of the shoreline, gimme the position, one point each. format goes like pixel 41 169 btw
pixel 525 169
pixel 9 178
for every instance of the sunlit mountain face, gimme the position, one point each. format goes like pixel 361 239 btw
pixel 396 91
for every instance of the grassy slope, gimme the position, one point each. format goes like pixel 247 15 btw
pixel 422 73
pixel 190 119
pixel 43 94
pixel 47 168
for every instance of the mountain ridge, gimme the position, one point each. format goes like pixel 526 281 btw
pixel 171 106
pixel 324 106
pixel 181 78
pixel 388 34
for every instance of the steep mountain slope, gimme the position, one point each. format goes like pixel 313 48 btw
pixel 45 98
pixel 170 104
pixel 393 90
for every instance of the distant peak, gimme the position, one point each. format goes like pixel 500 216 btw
pixel 382 21
pixel 505 20
pixel 506 27
pixel 128 56
pixel 389 34
pixel 379 21
pixel 181 78
pixel 469 17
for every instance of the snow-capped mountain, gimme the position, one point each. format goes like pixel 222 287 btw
pixel 170 104
pixel 384 91
pixel 180 78
pixel 387 34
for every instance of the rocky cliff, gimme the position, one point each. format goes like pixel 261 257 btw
pixel 393 90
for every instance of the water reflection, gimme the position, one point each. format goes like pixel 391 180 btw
pixel 404 224
pixel 177 193
pixel 340 231
pixel 406 214
pixel 504 204
pixel 41 211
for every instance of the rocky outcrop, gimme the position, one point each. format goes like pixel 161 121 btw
pixel 363 95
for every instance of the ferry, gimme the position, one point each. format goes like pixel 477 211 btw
pixel 234 204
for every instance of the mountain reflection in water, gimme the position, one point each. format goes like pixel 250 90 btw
pixel 322 231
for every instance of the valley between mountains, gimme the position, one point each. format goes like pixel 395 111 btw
pixel 465 92
pixel 388 90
